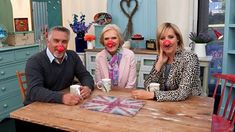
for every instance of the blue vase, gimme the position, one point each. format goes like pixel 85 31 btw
pixel 81 44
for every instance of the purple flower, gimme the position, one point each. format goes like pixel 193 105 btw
pixel 80 26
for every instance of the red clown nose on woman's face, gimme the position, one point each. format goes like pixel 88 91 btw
pixel 110 44
pixel 166 42
pixel 60 48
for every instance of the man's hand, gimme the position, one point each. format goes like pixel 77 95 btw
pixel 71 99
pixel 85 91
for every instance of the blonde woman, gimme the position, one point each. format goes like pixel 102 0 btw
pixel 176 70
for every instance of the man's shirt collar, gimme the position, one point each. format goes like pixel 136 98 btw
pixel 51 57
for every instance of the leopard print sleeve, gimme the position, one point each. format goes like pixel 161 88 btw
pixel 189 80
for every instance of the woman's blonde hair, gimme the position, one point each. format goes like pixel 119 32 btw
pixel 112 27
pixel 164 27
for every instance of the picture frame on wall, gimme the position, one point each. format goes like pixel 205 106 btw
pixel 21 24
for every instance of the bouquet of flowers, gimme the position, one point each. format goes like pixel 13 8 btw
pixel 80 26
pixel 89 37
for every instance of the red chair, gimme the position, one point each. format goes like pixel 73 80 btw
pixel 222 122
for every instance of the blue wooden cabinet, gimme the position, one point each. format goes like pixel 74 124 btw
pixel 229 42
pixel 12 59
pixel 229 39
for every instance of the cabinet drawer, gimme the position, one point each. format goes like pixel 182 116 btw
pixel 10 70
pixel 90 58
pixel 6 56
pixel 141 78
pixel 7 86
pixel 25 53
pixel 12 102
pixel 147 62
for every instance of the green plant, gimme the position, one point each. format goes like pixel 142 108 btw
pixel 202 37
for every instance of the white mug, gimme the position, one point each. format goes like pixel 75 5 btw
pixel 104 85
pixel 153 87
pixel 75 89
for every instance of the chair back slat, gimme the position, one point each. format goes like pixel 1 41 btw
pixel 221 97
pixel 216 87
pixel 22 83
pixel 228 99
pixel 232 112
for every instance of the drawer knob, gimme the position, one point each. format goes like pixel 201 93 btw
pixel 5 105
pixel 1 58
pixel 3 89
pixel 2 73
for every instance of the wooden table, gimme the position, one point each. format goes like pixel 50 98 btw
pixel 194 114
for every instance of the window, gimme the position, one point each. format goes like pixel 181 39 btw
pixel 216 17
pixel 211 14
pixel 216 12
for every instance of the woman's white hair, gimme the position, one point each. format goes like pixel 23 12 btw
pixel 112 27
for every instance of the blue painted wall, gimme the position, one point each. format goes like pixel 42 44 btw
pixel 144 20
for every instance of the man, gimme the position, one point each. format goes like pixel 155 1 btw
pixel 53 69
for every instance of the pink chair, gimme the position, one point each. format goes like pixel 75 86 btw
pixel 220 121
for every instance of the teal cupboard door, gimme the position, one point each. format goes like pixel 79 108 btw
pixel 54 13
pixel 46 12
pixel 6 15
pixel 53 9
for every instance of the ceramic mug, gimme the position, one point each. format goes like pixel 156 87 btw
pixel 75 89
pixel 104 85
pixel 153 87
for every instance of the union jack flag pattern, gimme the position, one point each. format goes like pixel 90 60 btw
pixel 114 105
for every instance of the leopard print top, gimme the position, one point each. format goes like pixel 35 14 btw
pixel 183 78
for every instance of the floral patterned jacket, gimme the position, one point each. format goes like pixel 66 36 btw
pixel 183 78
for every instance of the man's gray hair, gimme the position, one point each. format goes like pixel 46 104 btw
pixel 58 28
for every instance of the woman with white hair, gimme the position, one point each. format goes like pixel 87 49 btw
pixel 115 62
